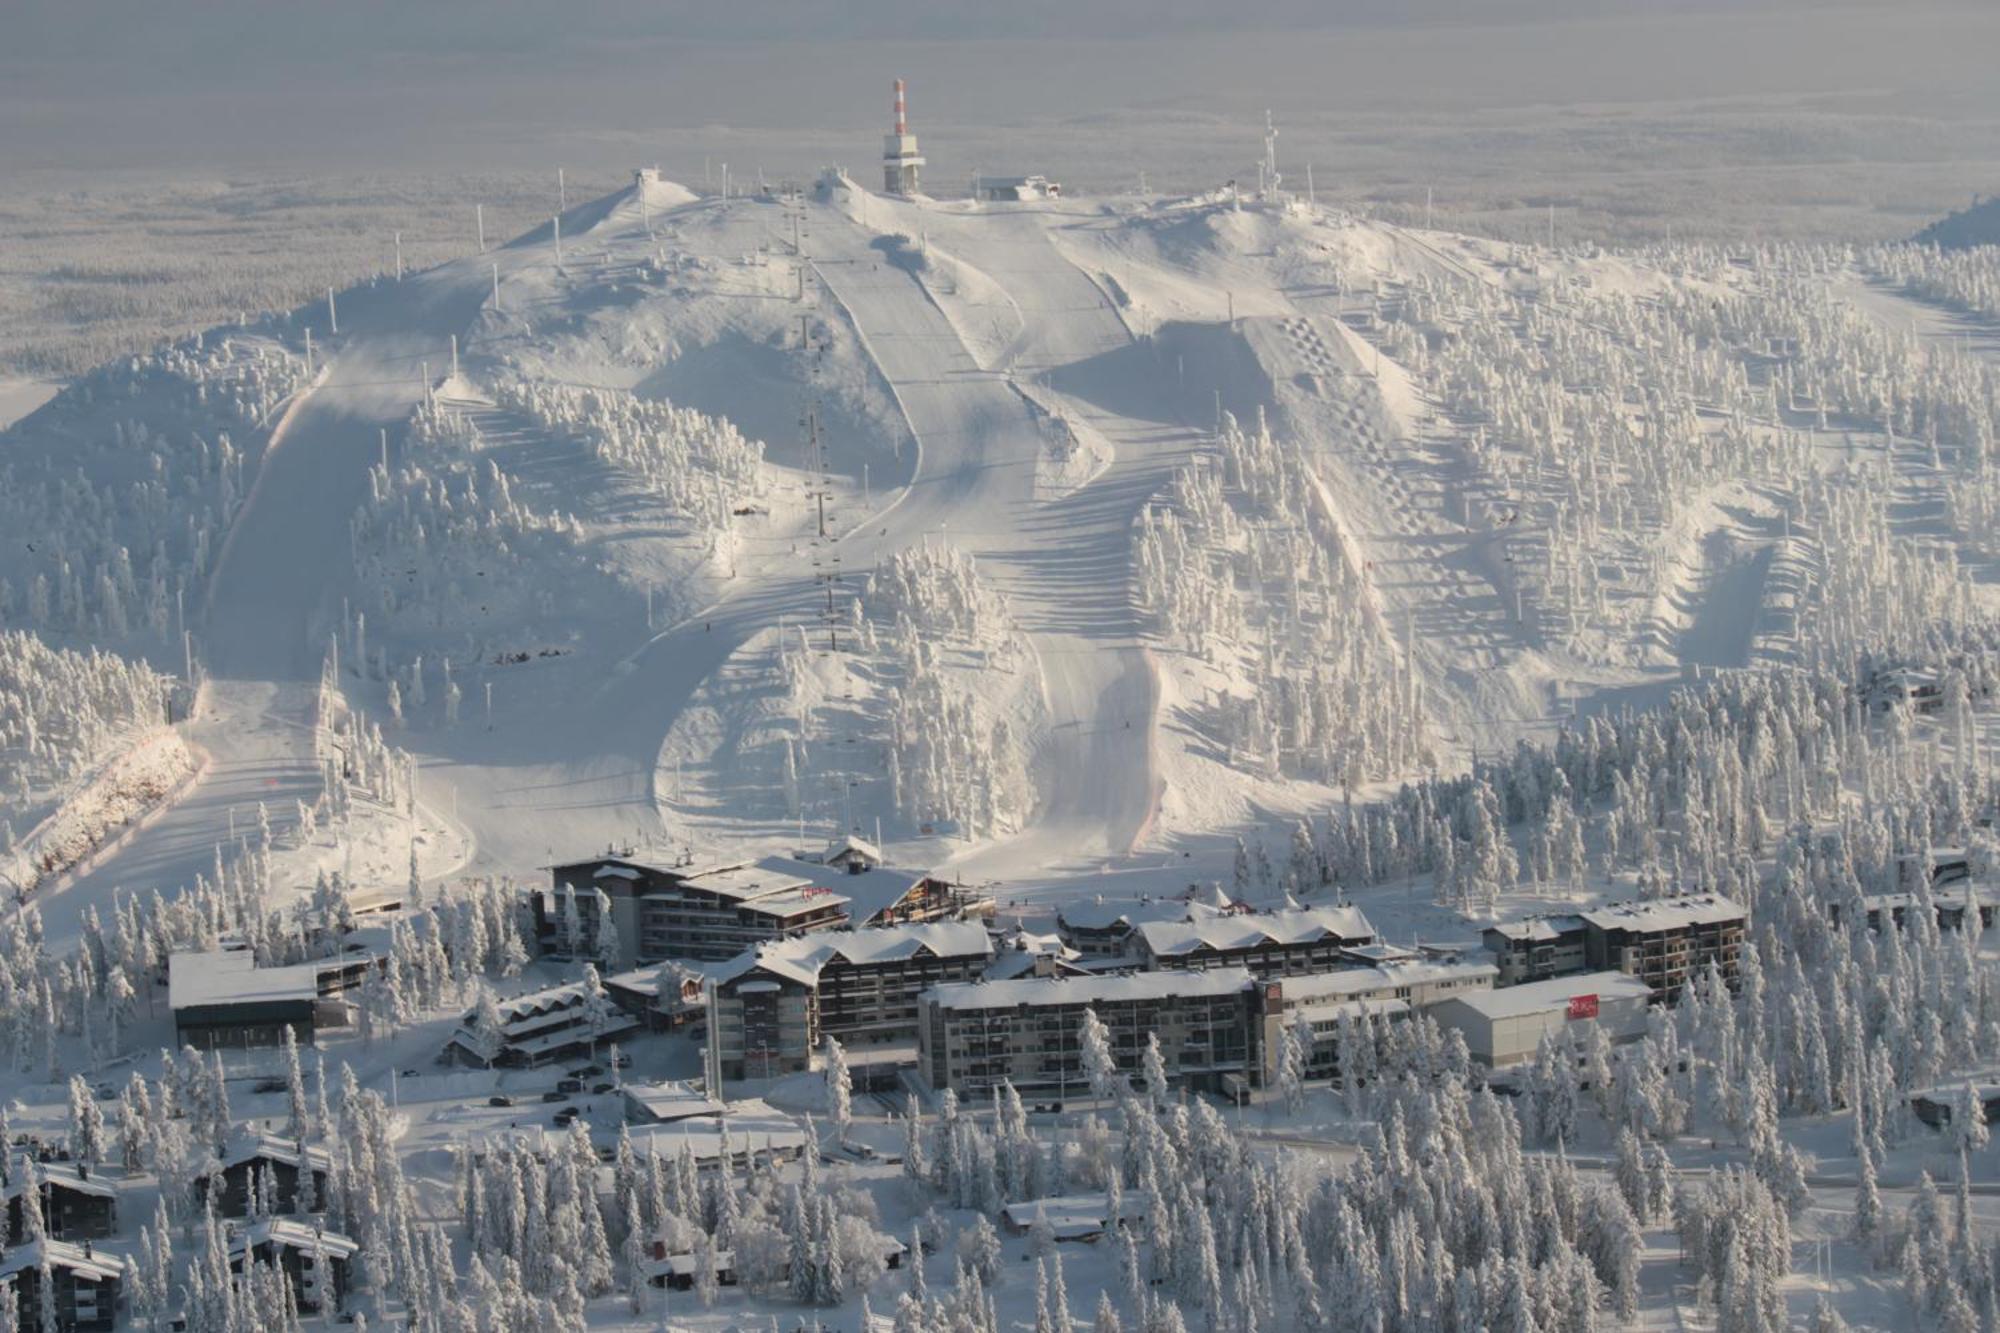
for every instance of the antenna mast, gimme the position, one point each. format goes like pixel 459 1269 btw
pixel 1271 176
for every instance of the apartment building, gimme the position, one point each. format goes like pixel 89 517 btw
pixel 973 1036
pixel 775 1004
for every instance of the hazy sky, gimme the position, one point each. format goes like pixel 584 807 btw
pixel 347 84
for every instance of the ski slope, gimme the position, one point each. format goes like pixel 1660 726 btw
pixel 950 341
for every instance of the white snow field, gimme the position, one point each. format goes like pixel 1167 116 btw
pixel 1277 504
pixel 1071 547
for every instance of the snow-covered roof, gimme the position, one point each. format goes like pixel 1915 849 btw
pixel 1538 929
pixel 794 903
pixel 1350 982
pixel 671 974
pixel 1102 915
pixel 61 1175
pixel 868 894
pixel 801 957
pixel 674 1100
pixel 1694 909
pixel 749 881
pixel 1536 997
pixel 231 976
pixel 91 1265
pixel 752 1126
pixel 1091 990
pixel 1073 1215
pixel 1251 930
pixel 291 1234
pixel 270 1148
pixel 848 844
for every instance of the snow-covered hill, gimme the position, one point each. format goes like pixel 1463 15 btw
pixel 1042 537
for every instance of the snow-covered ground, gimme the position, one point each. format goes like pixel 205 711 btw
pixel 1054 546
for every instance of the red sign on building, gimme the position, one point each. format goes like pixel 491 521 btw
pixel 1583 1006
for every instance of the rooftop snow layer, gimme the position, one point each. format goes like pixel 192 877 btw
pixel 802 957
pixel 1697 909
pixel 1540 996
pixel 1251 930
pixel 231 976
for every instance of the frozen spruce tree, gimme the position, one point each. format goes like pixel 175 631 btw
pixel 1100 1066
pixel 839 1087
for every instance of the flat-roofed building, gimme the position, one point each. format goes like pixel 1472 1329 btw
pixel 1665 941
pixel 221 998
pixel 972 1036
pixel 1536 948
pixel 1505 1026
pixel 1270 944
pixel 774 1004
pixel 1393 988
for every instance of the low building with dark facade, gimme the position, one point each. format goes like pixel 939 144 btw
pixel 77 1202
pixel 973 1036
pixel 1536 948
pixel 88 1286
pixel 314 1260
pixel 774 1005
pixel 223 1000
pixel 1270 944
pixel 277 1163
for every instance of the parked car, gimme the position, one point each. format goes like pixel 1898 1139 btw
pixel 499 1101
pixel 555 1095
pixel 603 1088
pixel 107 1092
pixel 621 1061
pixel 569 1085
pixel 270 1085
pixel 567 1115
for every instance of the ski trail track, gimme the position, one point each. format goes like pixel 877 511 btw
pixel 275 593
pixel 574 759
pixel 1064 565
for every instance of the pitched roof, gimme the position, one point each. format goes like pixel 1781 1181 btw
pixel 1250 930
pixel 60 1175
pixel 271 1148
pixel 93 1264
pixel 292 1234
pixel 801 958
